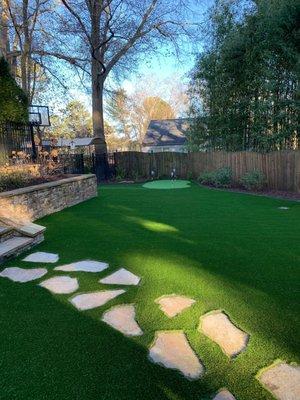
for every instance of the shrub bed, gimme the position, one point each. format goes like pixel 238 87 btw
pixel 20 176
pixel 18 179
pixel 222 177
pixel 253 180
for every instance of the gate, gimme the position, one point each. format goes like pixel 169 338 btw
pixel 103 165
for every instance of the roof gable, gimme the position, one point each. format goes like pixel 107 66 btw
pixel 167 132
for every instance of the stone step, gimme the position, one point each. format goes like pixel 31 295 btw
pixel 14 246
pixel 4 229
pixel 26 229
pixel 30 229
pixel 5 232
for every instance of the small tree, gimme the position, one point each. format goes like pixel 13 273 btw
pixel 73 121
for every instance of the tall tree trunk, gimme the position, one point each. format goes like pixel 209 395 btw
pixel 25 76
pixel 4 40
pixel 98 78
pixel 97 108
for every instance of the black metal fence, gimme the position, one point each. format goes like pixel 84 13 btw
pixel 103 165
pixel 15 138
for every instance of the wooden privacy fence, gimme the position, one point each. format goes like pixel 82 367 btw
pixel 281 168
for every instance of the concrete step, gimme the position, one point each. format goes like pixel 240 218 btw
pixel 14 246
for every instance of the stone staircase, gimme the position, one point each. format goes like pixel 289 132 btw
pixel 16 238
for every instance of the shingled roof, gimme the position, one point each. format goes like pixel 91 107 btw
pixel 61 142
pixel 167 132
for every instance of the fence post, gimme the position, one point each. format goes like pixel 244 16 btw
pixel 79 164
pixel 297 172
pixel 34 153
pixel 101 167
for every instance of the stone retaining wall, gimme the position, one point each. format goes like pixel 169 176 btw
pixel 33 202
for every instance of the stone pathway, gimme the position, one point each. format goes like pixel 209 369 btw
pixel 42 257
pixel 123 319
pixel 60 284
pixel 86 301
pixel 172 350
pixel 17 274
pixel 121 277
pixel 282 380
pixel 224 394
pixel 84 266
pixel 218 327
pixel 172 305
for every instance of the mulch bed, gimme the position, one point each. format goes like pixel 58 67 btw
pixel 278 194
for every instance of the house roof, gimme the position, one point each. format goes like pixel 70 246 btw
pixel 167 132
pixel 61 142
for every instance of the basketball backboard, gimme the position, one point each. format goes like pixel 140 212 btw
pixel 39 115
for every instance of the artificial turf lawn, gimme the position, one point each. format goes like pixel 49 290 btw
pixel 228 251
pixel 167 184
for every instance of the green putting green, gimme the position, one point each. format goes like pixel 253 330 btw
pixel 228 251
pixel 167 184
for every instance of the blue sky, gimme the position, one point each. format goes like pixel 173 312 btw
pixel 165 67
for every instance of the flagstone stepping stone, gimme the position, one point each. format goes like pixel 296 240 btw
pixel 172 305
pixel 122 318
pixel 224 394
pixel 61 284
pixel 87 301
pixel 172 350
pixel 17 274
pixel 218 327
pixel 121 277
pixel 42 257
pixel 282 380
pixel 85 266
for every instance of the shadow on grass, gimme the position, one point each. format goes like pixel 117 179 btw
pixel 51 351
pixel 241 241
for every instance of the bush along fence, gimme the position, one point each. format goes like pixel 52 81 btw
pixel 281 169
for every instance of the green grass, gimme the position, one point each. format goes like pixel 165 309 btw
pixel 229 251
